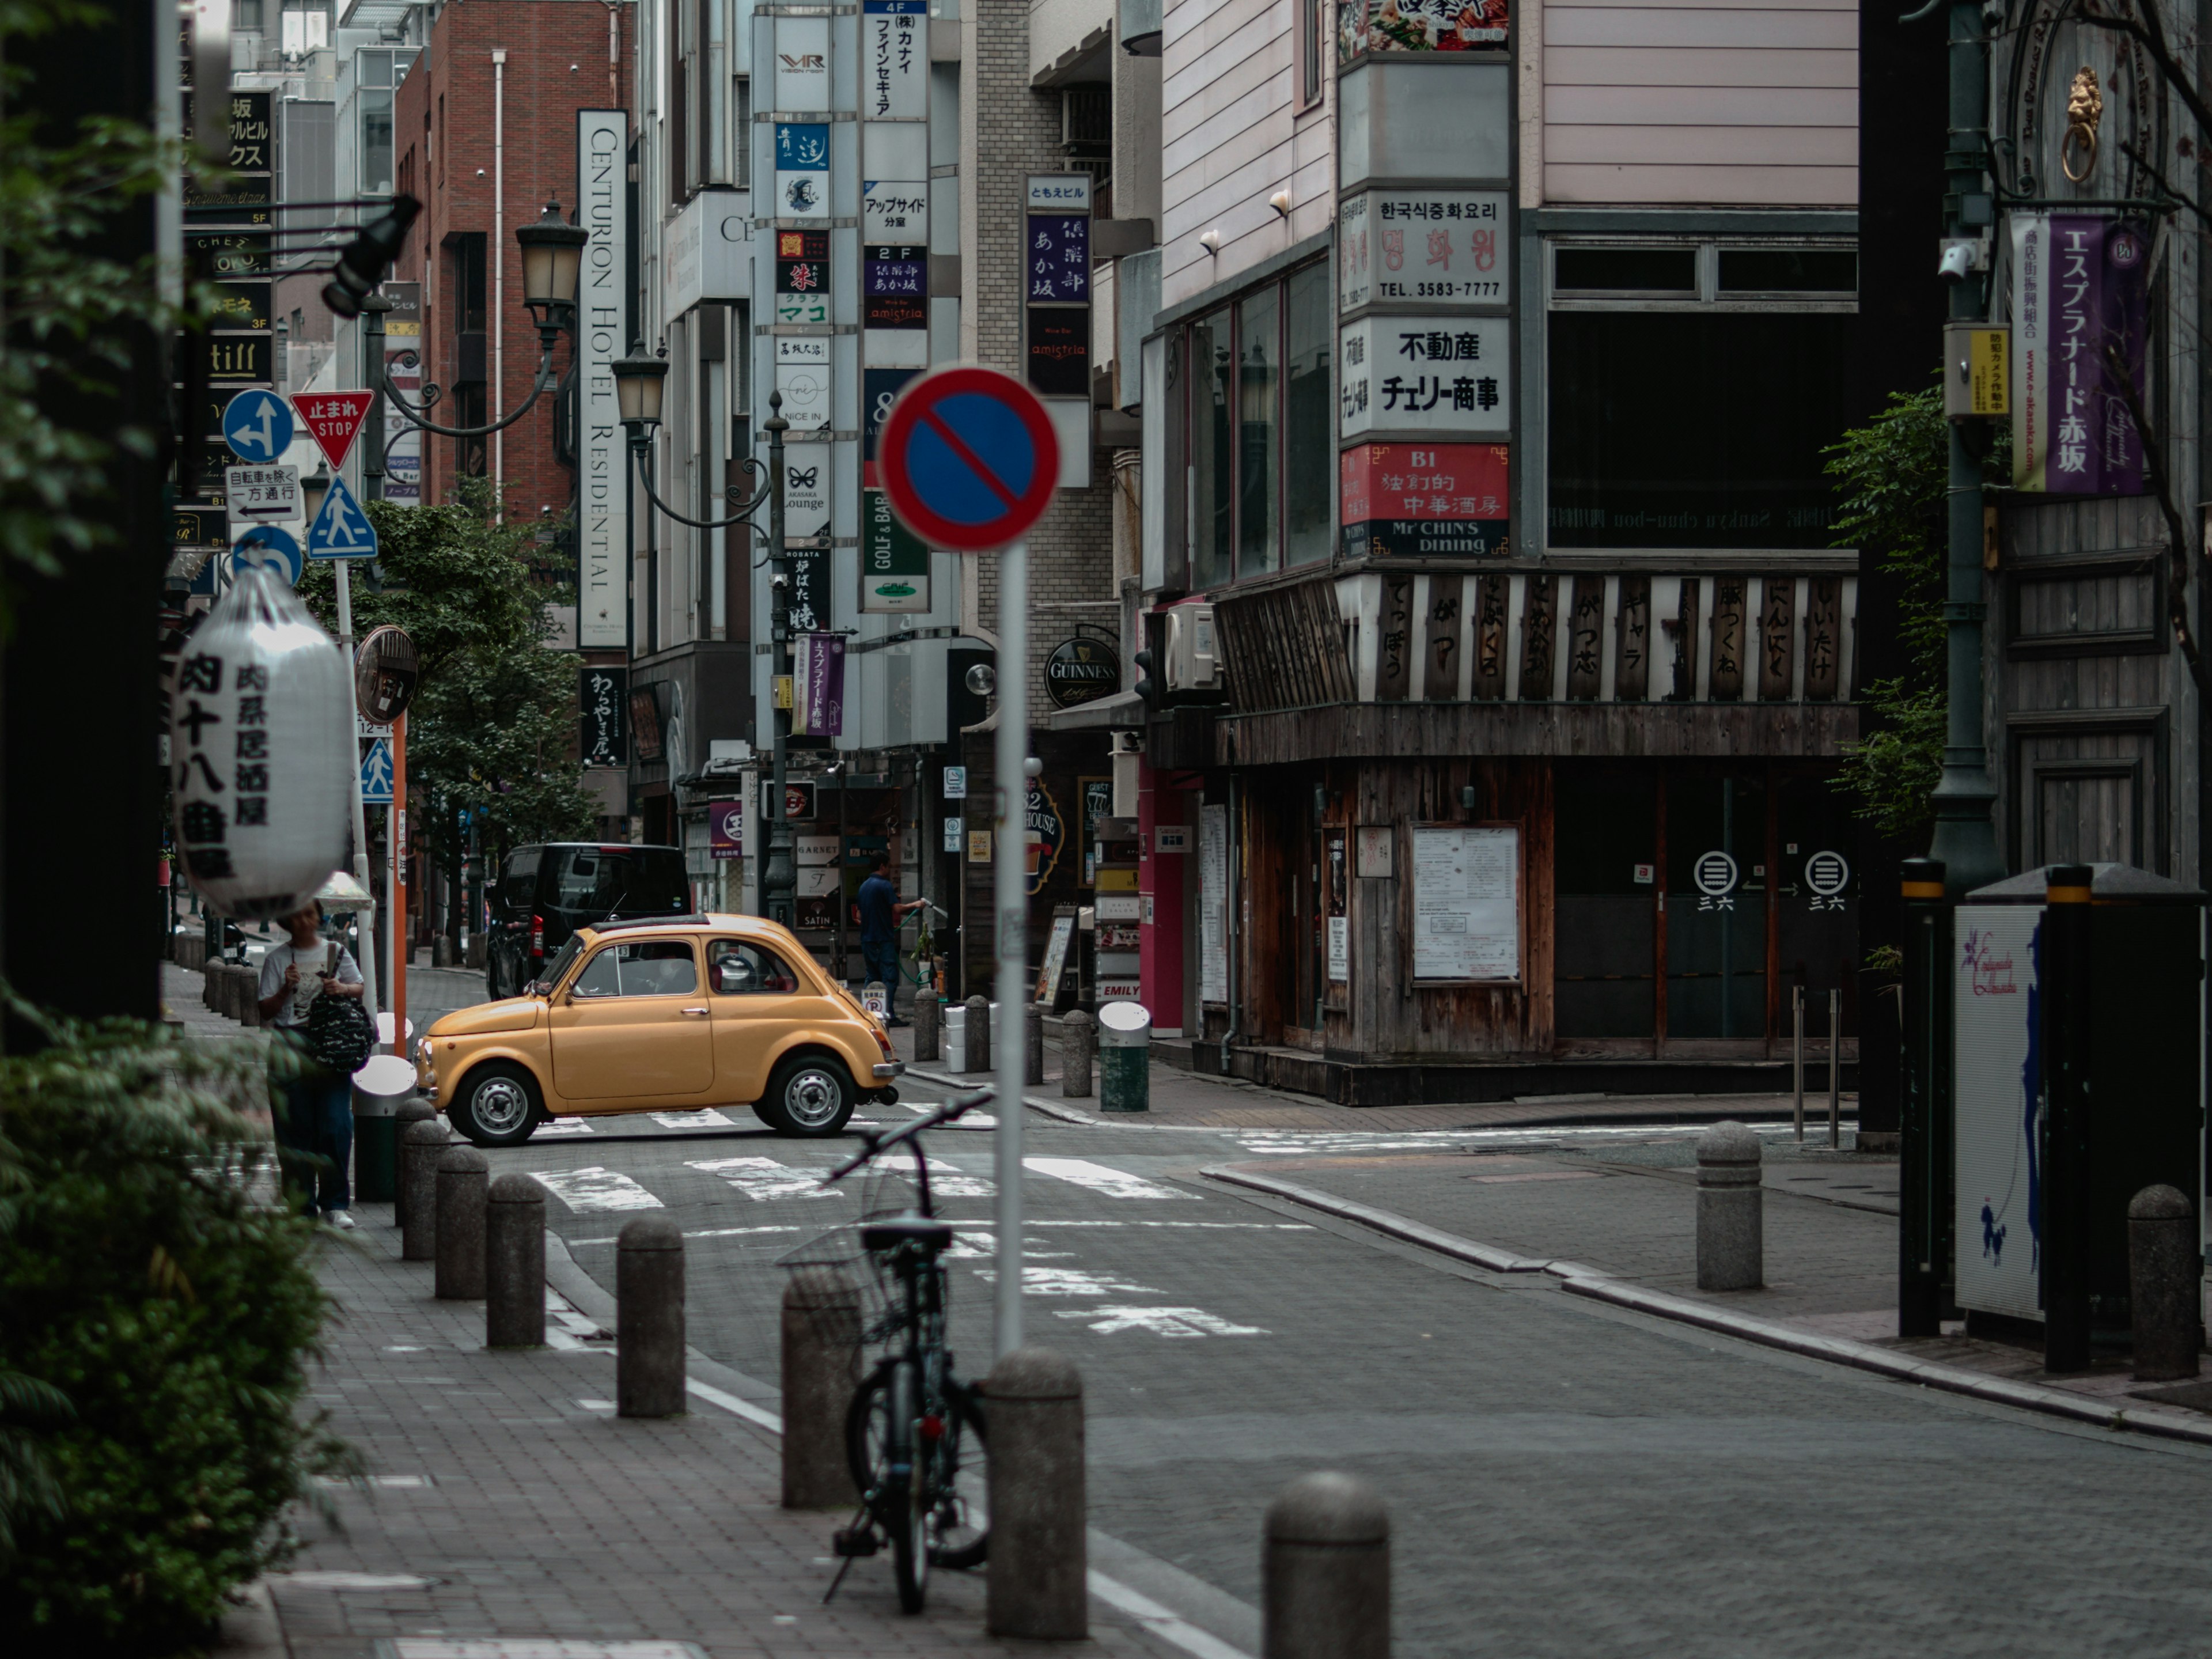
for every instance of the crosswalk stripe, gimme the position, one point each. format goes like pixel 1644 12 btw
pixel 1108 1183
pixel 705 1118
pixel 763 1178
pixel 594 1188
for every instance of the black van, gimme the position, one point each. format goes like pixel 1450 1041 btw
pixel 547 892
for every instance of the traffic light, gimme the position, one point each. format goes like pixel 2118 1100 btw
pixel 1147 688
pixel 363 260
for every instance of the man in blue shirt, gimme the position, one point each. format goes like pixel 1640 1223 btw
pixel 880 909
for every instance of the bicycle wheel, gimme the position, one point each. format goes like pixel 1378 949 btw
pixel 879 1429
pixel 954 1544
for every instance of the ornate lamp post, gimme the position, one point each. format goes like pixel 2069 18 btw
pixel 639 381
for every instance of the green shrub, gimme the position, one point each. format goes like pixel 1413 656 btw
pixel 145 1276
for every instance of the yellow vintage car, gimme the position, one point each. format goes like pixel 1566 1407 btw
pixel 667 1015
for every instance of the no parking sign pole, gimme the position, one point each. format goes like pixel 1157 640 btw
pixel 969 461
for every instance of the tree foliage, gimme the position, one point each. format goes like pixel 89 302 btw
pixel 491 734
pixel 157 1320
pixel 1893 476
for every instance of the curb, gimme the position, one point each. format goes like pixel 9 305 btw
pixel 1049 1108
pixel 1577 1279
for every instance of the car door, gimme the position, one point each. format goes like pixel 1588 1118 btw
pixel 758 1000
pixel 633 1028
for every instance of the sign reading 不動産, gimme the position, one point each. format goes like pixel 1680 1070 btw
pixel 1418 375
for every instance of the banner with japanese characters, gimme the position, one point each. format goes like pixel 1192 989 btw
pixel 1379 26
pixel 1418 375
pixel 894 60
pixel 2081 313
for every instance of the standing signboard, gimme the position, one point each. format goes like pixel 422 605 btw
pixel 602 464
pixel 1997 1103
pixel 1467 902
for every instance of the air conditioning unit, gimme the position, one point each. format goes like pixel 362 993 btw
pixel 1192 664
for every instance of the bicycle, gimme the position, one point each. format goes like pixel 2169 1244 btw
pixel 911 1416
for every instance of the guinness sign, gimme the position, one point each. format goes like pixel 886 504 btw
pixel 1081 670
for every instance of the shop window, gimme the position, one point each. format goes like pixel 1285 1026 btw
pixel 1641 453
pixel 1261 431
pixel 1717 895
pixel 1309 418
pixel 376 143
pixel 1259 355
pixel 1605 931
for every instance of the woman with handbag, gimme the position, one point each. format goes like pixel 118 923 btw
pixel 311 992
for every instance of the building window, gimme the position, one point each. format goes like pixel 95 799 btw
pixel 1641 452
pixel 1313 50
pixel 1261 431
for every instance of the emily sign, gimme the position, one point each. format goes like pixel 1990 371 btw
pixel 2080 294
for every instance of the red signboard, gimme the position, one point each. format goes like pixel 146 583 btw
pixel 333 419
pixel 1425 500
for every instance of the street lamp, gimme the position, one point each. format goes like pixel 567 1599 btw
pixel 313 487
pixel 552 258
pixel 640 380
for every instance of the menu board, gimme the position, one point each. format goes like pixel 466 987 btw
pixel 1467 903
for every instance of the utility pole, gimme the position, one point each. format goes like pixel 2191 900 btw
pixel 1966 839
pixel 780 872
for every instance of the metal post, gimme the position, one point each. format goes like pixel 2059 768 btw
pixel 1010 901
pixel 1797 1056
pixel 778 878
pixel 1924 1151
pixel 1835 1069
pixel 1965 840
pixel 367 961
pixel 2063 974
pixel 843 975
pixel 371 373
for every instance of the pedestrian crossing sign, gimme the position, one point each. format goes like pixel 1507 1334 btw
pixel 341 530
pixel 376 773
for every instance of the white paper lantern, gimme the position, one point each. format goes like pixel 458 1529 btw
pixel 261 752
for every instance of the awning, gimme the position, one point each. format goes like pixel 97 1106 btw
pixel 1122 711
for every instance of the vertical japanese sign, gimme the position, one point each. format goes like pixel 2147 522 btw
pixel 1056 286
pixel 894 60
pixel 2080 297
pixel 403 372
pixel 603 316
pixel 819 675
pixel 802 168
pixel 602 696
pixel 802 275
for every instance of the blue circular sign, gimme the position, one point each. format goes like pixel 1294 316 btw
pixel 968 458
pixel 257 424
pixel 265 547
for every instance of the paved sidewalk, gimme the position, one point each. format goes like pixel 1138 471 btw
pixel 504 1499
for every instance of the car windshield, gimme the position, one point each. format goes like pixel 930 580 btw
pixel 559 965
pixel 598 881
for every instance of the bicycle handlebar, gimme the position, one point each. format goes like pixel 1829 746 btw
pixel 958 1107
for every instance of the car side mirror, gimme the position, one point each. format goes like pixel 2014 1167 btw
pixel 538 987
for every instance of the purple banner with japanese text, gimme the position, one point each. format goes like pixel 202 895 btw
pixel 2081 316
pixel 821 686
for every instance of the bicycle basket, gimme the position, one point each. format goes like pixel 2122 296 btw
pixel 842 1293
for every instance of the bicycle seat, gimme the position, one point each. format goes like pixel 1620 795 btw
pixel 892 1232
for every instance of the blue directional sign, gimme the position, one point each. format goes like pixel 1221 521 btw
pixel 266 547
pixel 376 773
pixel 341 530
pixel 258 426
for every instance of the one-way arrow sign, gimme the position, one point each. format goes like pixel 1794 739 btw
pixel 341 530
pixel 333 419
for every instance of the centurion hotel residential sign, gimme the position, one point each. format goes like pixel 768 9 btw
pixel 602 337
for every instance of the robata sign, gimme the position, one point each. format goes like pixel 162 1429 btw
pixel 1081 670
pixel 603 336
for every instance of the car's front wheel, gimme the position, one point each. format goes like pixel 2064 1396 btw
pixel 810 1096
pixel 498 1105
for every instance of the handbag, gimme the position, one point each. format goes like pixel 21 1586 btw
pixel 340 1036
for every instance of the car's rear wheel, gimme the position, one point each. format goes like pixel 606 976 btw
pixel 498 1105
pixel 810 1096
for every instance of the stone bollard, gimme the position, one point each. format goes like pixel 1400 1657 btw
pixel 410 1113
pixel 980 1057
pixel 2164 1272
pixel 419 1151
pixel 649 1318
pixel 515 1263
pixel 249 997
pixel 1731 1209
pixel 821 1330
pixel 1032 1044
pixel 1079 1038
pixel 463 1174
pixel 1325 1571
pixel 1125 1058
pixel 1039 1562
pixel 926 1037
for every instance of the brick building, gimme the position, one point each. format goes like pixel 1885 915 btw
pixel 485 135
